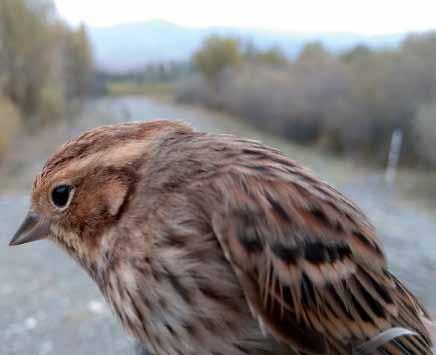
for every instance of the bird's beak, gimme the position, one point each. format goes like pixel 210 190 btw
pixel 34 227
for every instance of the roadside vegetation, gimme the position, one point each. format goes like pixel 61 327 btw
pixel 45 67
pixel 347 103
pixel 154 79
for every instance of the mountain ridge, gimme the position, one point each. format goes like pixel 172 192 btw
pixel 129 46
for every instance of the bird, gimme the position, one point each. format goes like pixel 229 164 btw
pixel 213 244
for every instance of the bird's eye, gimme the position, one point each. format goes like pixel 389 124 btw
pixel 61 195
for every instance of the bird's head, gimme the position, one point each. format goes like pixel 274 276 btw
pixel 84 188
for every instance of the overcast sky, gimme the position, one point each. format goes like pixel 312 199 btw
pixel 361 16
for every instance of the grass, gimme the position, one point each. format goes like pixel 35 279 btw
pixel 419 186
pixel 126 88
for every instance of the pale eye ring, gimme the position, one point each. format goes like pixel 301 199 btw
pixel 61 195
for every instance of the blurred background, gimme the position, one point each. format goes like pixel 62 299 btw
pixel 347 88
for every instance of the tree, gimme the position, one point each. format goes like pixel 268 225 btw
pixel 215 55
pixel 42 61
pixel 313 55
pixel 359 52
pixel 273 57
pixel 79 62
pixel 26 58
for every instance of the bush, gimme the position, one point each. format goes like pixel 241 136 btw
pixel 10 121
pixel 194 90
pixel 349 103
pixel 425 130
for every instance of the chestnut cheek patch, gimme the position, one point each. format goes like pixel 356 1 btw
pixel 115 194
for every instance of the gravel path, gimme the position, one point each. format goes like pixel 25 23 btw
pixel 48 305
pixel 407 234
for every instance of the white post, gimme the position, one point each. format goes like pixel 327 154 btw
pixel 394 156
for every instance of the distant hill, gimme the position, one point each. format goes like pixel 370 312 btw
pixel 129 46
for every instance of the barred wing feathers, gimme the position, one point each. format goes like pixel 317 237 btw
pixel 309 262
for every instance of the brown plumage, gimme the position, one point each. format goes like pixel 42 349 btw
pixel 211 244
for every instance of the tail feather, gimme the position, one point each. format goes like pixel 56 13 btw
pixel 411 316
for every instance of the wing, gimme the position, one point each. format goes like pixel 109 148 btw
pixel 310 264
